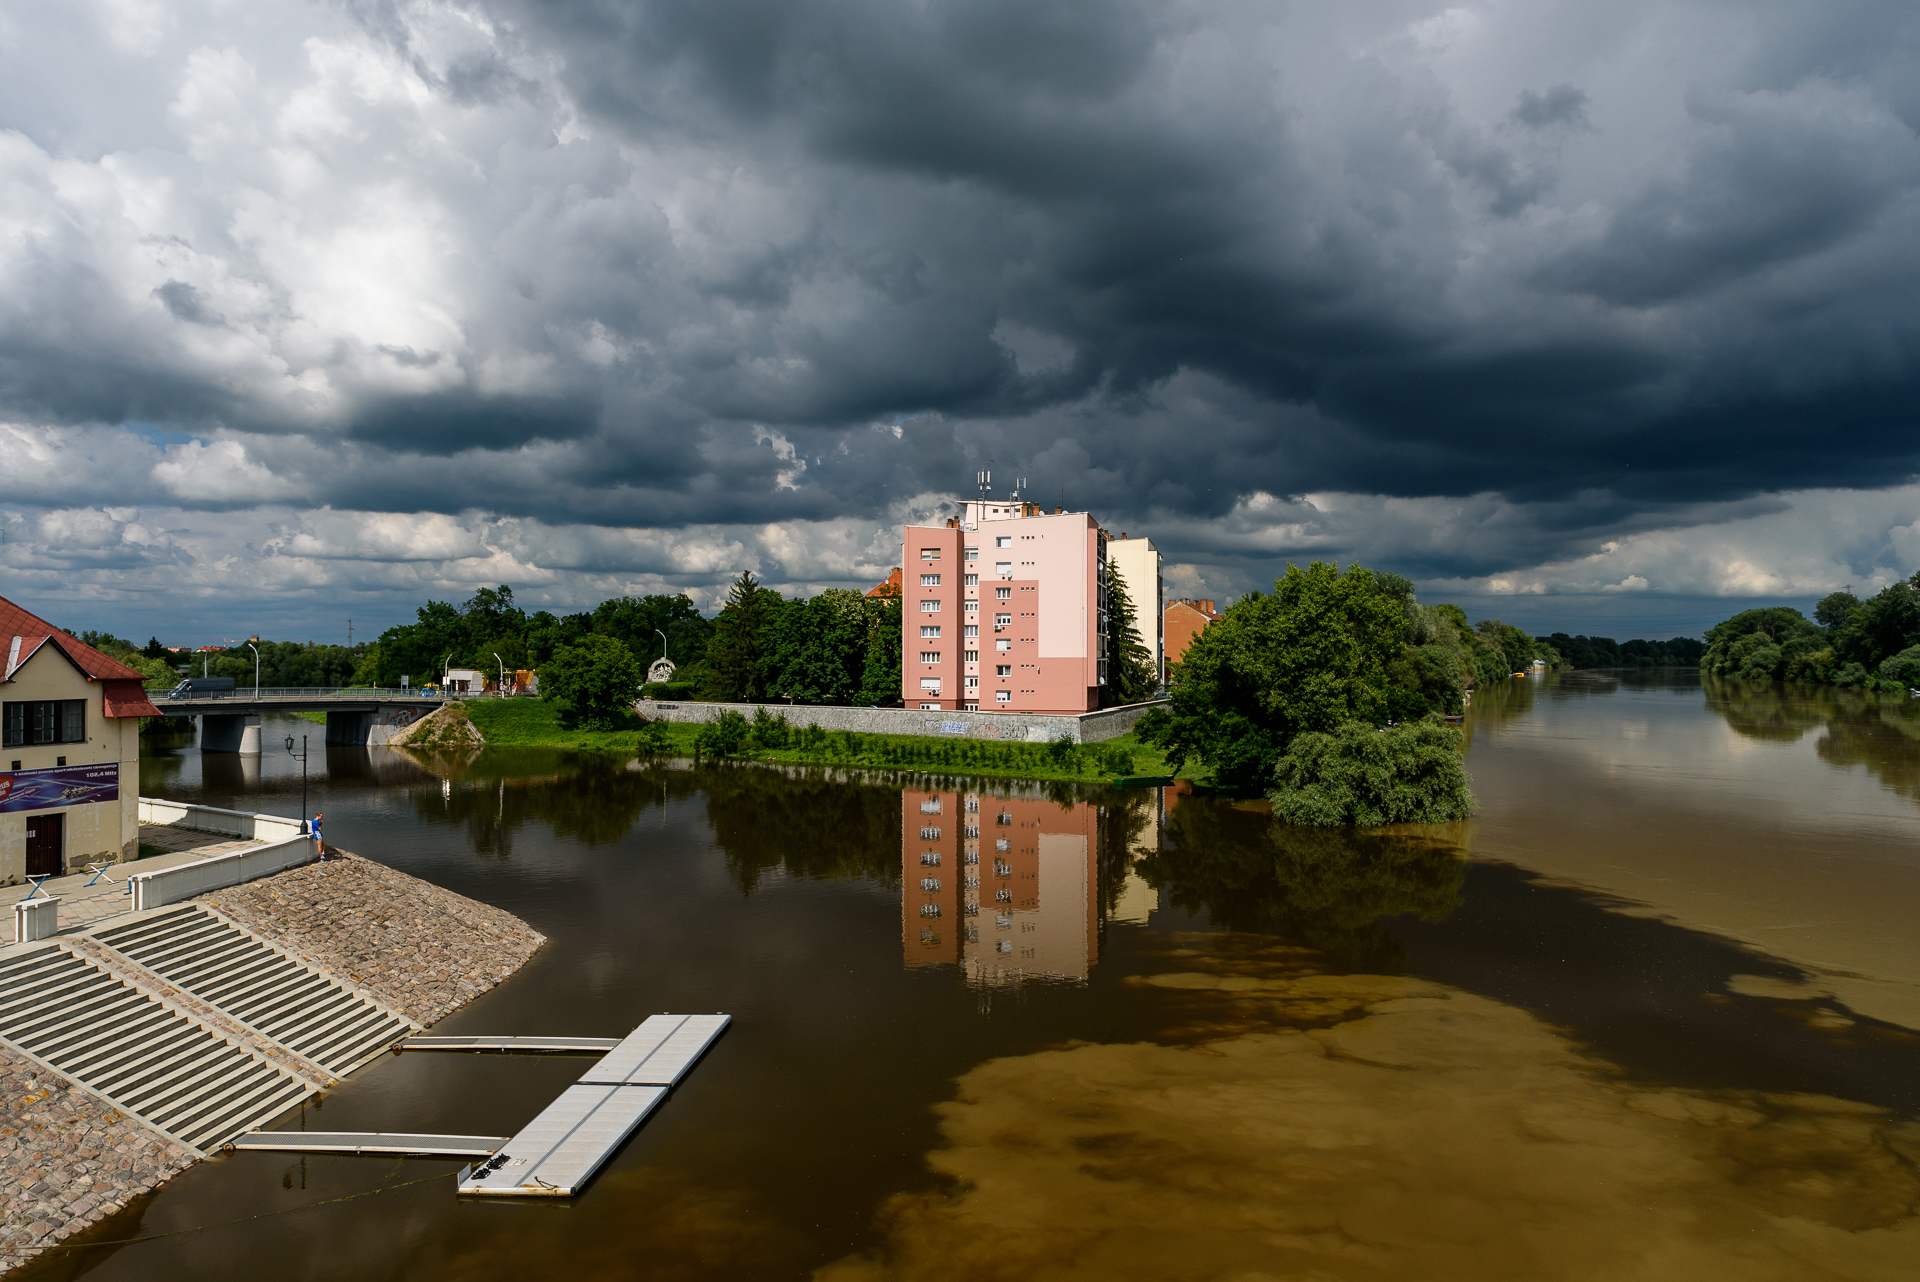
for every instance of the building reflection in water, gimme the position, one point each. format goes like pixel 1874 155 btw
pixel 1006 888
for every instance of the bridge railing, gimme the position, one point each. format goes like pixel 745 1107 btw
pixel 249 694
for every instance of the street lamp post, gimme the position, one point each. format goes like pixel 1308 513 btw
pixel 256 668
pixel 503 672
pixel 663 642
pixel 301 756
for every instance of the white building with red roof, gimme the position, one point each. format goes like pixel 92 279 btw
pixel 69 751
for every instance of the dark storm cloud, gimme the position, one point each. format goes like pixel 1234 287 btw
pixel 665 262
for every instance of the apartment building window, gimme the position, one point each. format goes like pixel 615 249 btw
pixel 971 630
pixel 969 656
pixel 929 607
pixel 930 630
pixel 972 707
pixel 929 834
pixel 929 554
pixel 930 685
pixel 930 807
pixel 1003 670
pixel 971 554
pixel 1003 541
pixel 1004 569
pixel 931 859
pixel 1003 696
pixel 1003 620
pixel 970 605
pixel 973 580
pixel 973 683
pixel 929 580
pixel 1003 594
pixel 929 883
pixel 929 656
pixel 929 707
pixel 33 721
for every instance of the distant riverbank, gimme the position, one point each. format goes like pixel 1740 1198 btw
pixel 535 723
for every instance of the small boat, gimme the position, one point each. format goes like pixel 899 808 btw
pixel 1453 720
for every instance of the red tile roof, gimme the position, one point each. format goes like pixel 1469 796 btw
pixel 125 693
pixel 890 586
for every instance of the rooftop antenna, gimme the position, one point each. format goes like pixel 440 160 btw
pixel 1018 485
pixel 985 480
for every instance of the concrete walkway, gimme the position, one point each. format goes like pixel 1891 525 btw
pixel 82 905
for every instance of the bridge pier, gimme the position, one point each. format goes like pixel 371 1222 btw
pixel 231 732
pixel 348 729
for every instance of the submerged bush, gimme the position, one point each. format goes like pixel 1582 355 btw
pixel 1366 777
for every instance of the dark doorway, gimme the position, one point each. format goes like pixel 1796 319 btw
pixel 44 833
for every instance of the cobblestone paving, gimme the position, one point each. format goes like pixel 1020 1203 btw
pixel 422 950
pixel 67 1158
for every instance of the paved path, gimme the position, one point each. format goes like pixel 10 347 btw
pixel 82 905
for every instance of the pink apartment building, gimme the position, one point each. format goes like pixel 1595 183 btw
pixel 1005 611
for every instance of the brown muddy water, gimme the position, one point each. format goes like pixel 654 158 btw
pixel 1654 1013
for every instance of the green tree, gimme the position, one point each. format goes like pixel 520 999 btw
pixel 1310 656
pixel 880 670
pixel 1835 609
pixel 598 680
pixel 736 655
pixel 1131 676
pixel 1365 777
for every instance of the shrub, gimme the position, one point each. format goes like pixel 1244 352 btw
pixel 1850 676
pixel 1366 777
pixel 770 731
pixel 723 736
pixel 654 739
pixel 1115 759
pixel 1904 667
pixel 1063 753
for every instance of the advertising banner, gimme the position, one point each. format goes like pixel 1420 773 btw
pixel 59 786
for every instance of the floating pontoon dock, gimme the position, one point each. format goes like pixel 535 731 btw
pixel 556 1153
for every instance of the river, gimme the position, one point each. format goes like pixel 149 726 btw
pixel 1653 1012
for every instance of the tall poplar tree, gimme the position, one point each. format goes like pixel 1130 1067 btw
pixel 1131 677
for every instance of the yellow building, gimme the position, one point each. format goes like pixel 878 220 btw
pixel 69 751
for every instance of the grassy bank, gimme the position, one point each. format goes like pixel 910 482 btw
pixel 535 723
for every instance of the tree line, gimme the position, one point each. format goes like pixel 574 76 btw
pixel 1871 644
pixel 1605 652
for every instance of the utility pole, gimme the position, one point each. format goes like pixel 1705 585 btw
pixel 349 632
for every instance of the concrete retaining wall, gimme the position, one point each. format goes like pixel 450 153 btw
pixel 1029 727
pixel 183 881
pixel 235 823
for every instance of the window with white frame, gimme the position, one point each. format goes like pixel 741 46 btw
pixel 929 580
pixel 1004 569
pixel 969 656
pixel 1003 643
pixel 929 554
pixel 1003 541
pixel 970 630
pixel 973 580
pixel 929 607
pixel 1003 594
pixel 930 630
pixel 1003 620
pixel 970 605
pixel 1003 670
pixel 1003 696
pixel 929 707
pixel 930 684
pixel 972 554
pixel 929 656
pixel 973 683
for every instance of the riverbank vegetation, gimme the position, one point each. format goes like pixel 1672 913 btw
pixel 1605 652
pixel 1326 650
pixel 768 736
pixel 1871 644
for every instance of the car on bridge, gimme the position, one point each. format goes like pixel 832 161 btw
pixel 202 688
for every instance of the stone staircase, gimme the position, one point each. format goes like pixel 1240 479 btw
pixel 196 1027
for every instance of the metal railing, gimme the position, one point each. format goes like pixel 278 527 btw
pixel 250 694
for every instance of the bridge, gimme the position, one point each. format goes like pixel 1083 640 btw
pixel 356 715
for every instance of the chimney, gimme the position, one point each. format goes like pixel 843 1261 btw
pixel 953 523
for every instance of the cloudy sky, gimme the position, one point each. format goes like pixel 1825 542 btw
pixel 1595 317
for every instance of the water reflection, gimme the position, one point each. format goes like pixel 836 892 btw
pixel 1323 889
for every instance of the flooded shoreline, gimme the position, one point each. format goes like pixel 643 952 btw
pixel 1408 1053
